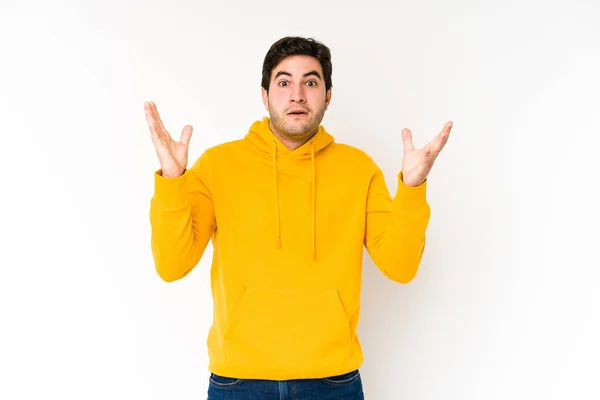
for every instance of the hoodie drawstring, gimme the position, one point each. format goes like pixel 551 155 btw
pixel 313 194
pixel 278 239
pixel 312 156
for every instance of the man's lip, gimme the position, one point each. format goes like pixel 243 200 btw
pixel 295 112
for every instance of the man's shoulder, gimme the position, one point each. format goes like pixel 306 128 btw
pixel 352 153
pixel 223 149
pixel 217 153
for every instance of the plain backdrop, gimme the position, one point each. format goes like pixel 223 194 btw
pixel 506 302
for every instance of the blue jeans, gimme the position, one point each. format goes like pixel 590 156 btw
pixel 342 387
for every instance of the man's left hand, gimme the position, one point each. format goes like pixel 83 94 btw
pixel 417 163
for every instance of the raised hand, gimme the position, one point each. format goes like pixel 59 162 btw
pixel 417 163
pixel 172 155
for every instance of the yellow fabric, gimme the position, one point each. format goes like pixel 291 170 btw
pixel 288 228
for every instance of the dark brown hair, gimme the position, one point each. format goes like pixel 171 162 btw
pixel 295 45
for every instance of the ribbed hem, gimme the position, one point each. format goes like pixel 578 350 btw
pixel 171 192
pixel 258 370
pixel 413 197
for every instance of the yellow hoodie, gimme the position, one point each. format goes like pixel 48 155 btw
pixel 288 229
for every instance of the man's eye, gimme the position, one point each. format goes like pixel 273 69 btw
pixel 311 83
pixel 282 83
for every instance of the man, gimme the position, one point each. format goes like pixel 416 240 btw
pixel 288 211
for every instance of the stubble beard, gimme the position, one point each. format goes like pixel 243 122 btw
pixel 296 129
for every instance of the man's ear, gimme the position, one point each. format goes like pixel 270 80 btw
pixel 328 98
pixel 265 98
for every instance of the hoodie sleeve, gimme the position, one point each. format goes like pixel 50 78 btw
pixel 395 227
pixel 182 220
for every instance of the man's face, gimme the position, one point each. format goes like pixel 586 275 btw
pixel 296 100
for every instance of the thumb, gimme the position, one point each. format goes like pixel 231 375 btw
pixel 407 139
pixel 186 134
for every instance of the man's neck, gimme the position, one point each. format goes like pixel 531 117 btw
pixel 292 143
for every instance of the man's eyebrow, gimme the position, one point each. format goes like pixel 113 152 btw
pixel 311 73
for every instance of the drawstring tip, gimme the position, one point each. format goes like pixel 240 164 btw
pixel 278 243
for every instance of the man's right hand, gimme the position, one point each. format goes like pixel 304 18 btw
pixel 172 155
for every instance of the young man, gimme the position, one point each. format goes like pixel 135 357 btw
pixel 288 210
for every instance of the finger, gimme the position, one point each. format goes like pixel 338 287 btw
pixel 186 134
pixel 150 117
pixel 428 157
pixel 407 139
pixel 156 136
pixel 439 141
pixel 159 124
pixel 445 134
pixel 433 148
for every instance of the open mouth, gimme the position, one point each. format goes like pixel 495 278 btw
pixel 297 113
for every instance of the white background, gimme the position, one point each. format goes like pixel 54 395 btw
pixel 505 305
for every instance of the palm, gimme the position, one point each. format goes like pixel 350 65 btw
pixel 417 163
pixel 172 155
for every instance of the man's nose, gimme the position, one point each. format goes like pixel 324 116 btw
pixel 298 94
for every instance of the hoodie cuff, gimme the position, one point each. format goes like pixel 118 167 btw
pixel 412 197
pixel 171 192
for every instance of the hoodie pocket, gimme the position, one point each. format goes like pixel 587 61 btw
pixel 278 329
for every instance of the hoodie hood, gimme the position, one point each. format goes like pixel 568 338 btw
pixel 261 136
